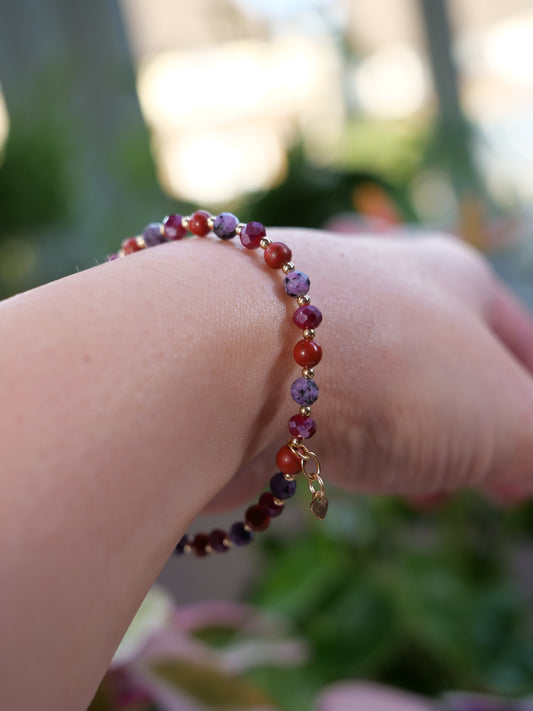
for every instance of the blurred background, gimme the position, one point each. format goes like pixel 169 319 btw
pixel 355 116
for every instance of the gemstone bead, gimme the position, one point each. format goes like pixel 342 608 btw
pixel 252 234
pixel 304 391
pixel 277 254
pixel 307 353
pixel 199 544
pixel 240 535
pixel 281 488
pixel 296 284
pixel 303 427
pixel 173 227
pixel 153 234
pixel 307 317
pixel 198 224
pixel 224 225
pixel 130 245
pixel 182 543
pixel 216 540
pixel 287 461
pixel 267 504
pixel 256 518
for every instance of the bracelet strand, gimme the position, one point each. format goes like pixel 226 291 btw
pixel 294 457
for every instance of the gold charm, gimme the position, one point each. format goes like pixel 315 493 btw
pixel 319 505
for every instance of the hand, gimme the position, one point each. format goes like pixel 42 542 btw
pixel 425 384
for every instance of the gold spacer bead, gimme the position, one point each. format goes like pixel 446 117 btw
pixel 239 228
pixel 208 549
pixel 308 373
pixel 265 242
pixel 211 222
pixel 227 542
pixel 288 477
pixel 305 411
pixel 247 528
pixel 309 334
pixel 140 242
pixel 121 253
pixel 303 300
pixel 185 222
pixel 296 441
pixel 288 267
pixel 187 548
pixel 279 502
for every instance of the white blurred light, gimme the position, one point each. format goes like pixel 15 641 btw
pixel 391 82
pixel 215 166
pixel 433 198
pixel 4 120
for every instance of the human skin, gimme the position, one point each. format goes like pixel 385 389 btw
pixel 136 393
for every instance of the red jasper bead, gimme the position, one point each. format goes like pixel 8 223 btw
pixel 130 245
pixel 307 353
pixel 277 254
pixel 198 224
pixel 256 518
pixel 199 544
pixel 287 461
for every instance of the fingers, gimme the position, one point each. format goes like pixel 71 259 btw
pixel 510 321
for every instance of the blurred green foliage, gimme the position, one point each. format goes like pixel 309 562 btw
pixel 427 601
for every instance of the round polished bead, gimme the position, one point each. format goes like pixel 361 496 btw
pixel 287 461
pixel 307 317
pixel 153 234
pixel 199 544
pixel 277 254
pixel 182 545
pixel 267 503
pixel 240 534
pixel 304 391
pixel 296 284
pixel 307 353
pixel 130 245
pixel 173 227
pixel 224 225
pixel 281 488
pixel 256 518
pixel 218 540
pixel 300 426
pixel 199 223
pixel 252 234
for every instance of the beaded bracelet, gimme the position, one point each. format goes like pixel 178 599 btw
pixel 294 457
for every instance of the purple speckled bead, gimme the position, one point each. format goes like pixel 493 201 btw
pixel 180 548
pixel 304 391
pixel 240 535
pixel 224 225
pixel 307 317
pixel 153 234
pixel 296 284
pixel 281 488
pixel 111 257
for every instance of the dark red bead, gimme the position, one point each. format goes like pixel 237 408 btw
pixel 256 518
pixel 307 353
pixel 198 224
pixel 173 227
pixel 307 317
pixel 199 544
pixel 217 540
pixel 252 234
pixel 277 254
pixel 267 503
pixel 303 427
pixel 287 461
pixel 130 246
